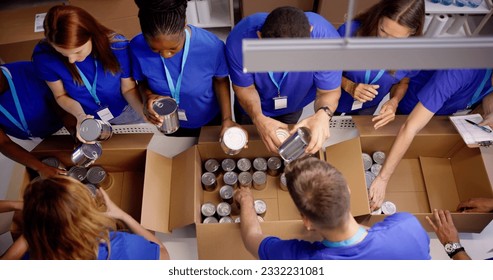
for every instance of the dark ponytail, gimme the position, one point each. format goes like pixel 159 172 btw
pixel 158 17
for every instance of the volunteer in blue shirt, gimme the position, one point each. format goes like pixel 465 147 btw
pixel 440 92
pixel 27 110
pixel 362 91
pixel 83 231
pixel 322 196
pixel 87 67
pixel 273 100
pixel 183 62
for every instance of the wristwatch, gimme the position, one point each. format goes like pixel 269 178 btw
pixel 452 248
pixel 327 111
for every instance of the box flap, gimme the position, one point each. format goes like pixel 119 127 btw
pixel 440 183
pixel 185 189
pixel 156 194
pixel 346 157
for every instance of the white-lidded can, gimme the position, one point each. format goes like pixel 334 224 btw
pixel 379 157
pixel 369 177
pixel 208 209
pixel 388 208
pixel 260 207
pixel 228 164
pixel 244 165
pixel 367 161
pixel 274 166
pixel 210 220
pixel 260 164
pixel 234 140
pixel 231 178
pixel 245 179
pixel 375 168
pixel 226 220
pixel 259 179
pixel 212 165
pixel 282 134
pixel 209 182
pixel 223 209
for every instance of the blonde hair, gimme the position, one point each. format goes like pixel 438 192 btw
pixel 62 220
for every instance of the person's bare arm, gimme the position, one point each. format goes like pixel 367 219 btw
pixel 251 232
pixel 132 96
pixel 16 250
pixel 223 94
pixel 387 112
pixel 488 110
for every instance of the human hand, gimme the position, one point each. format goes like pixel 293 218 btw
pixel 377 193
pixel 46 171
pixel 80 119
pixel 319 129
pixel 487 120
pixel 386 115
pixel 481 205
pixel 365 92
pixel 112 210
pixel 443 225
pixel 266 128
pixel 230 123
pixel 149 112
pixel 243 196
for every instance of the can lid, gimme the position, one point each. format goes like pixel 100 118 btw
pixel 211 165
pixel 164 106
pixel 244 164
pixel 92 151
pixel 228 164
pixel 388 208
pixel 369 176
pixel 230 178
pixel 90 129
pixel 96 174
pixel 208 178
pixel 379 157
pixel 234 138
pixel 260 164
pixel 367 161
pixel 260 206
pixel 274 163
pixel 78 173
pixel 282 134
pixel 223 209
pixel 225 220
pixel 259 177
pixel 375 168
pixel 245 178
pixel 210 220
pixel 208 209
pixel 226 192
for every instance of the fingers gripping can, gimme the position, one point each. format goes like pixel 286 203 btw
pixel 95 130
pixel 168 109
pixel 294 147
pixel 234 140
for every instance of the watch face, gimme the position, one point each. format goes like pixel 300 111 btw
pixel 449 247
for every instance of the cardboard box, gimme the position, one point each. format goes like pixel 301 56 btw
pixel 335 11
pixel 18 36
pixel 437 172
pixel 249 7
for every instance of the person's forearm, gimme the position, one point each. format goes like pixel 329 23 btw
pixel 250 228
pixel 223 94
pixel 138 229
pixel 17 250
pixel 70 105
pixel 488 104
pixel 10 205
pixel 18 154
pixel 249 100
pixel 328 98
pixel 133 98
pixel 398 90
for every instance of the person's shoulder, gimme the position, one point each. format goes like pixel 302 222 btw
pixel 205 35
pixel 119 41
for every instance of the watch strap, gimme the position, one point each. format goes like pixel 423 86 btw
pixel 327 111
pixel 453 253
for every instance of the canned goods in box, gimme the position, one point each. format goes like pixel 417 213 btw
pixel 86 154
pixel 210 220
pixel 226 193
pixel 260 207
pixel 209 182
pixel 234 140
pixel 208 209
pixel 95 174
pixel 228 165
pixel 369 177
pixel 379 157
pixel 274 166
pixel 226 220
pixel 260 164
pixel 95 130
pixel 231 178
pixel 211 165
pixel 223 209
pixel 238 219
pixel 388 208
pixel 245 179
pixel 78 173
pixel 282 182
pixel 367 161
pixel 375 168
pixel 244 164
pixel 259 179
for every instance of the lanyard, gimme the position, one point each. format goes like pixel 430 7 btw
pixel 23 125
pixel 175 92
pixel 278 85
pixel 359 234
pixel 91 88
pixel 476 97
pixel 377 77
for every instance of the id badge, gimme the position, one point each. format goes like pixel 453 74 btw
pixel 462 112
pixel 280 102
pixel 105 114
pixel 357 105
pixel 182 116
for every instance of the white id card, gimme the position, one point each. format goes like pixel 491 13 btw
pixel 462 112
pixel 105 114
pixel 181 115
pixel 280 102
pixel 357 105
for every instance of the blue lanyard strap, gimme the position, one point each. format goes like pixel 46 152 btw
pixel 377 77
pixel 23 125
pixel 477 95
pixel 359 234
pixel 91 88
pixel 175 91
pixel 278 85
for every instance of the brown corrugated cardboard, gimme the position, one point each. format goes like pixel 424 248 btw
pixel 335 11
pixel 249 7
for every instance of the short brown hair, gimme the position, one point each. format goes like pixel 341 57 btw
pixel 319 191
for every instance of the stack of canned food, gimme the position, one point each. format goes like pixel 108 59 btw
pixel 372 165
pixel 224 212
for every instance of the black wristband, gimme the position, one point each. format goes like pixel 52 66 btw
pixel 461 249
pixel 327 111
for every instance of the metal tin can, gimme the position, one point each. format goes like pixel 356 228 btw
pixel 245 179
pixel 367 161
pixel 260 164
pixel 226 220
pixel 375 168
pixel 259 218
pixel 260 207
pixel 237 220
pixel 377 212
pixel 259 180
pixel 168 109
pixel 294 147
pixel 274 166
pixel 228 164
pixel 244 165
pixel 282 134
pixel 208 209
pixel 226 193
pixel 95 130
pixel 53 162
pixel 388 208
pixel 369 177
pixel 282 182
pixel 223 209
pixel 234 140
pixel 379 157
pixel 86 154
pixel 95 175
pixel 209 182
pixel 212 165
pixel 78 173
pixel 210 220
pixel 231 178
pixel 92 188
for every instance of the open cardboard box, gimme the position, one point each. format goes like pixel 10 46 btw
pixel 437 172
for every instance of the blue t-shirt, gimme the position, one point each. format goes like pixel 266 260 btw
pixel 36 100
pixel 444 92
pixel 386 81
pixel 51 68
pixel 399 236
pixel 299 87
pixel 128 246
pixel 206 60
